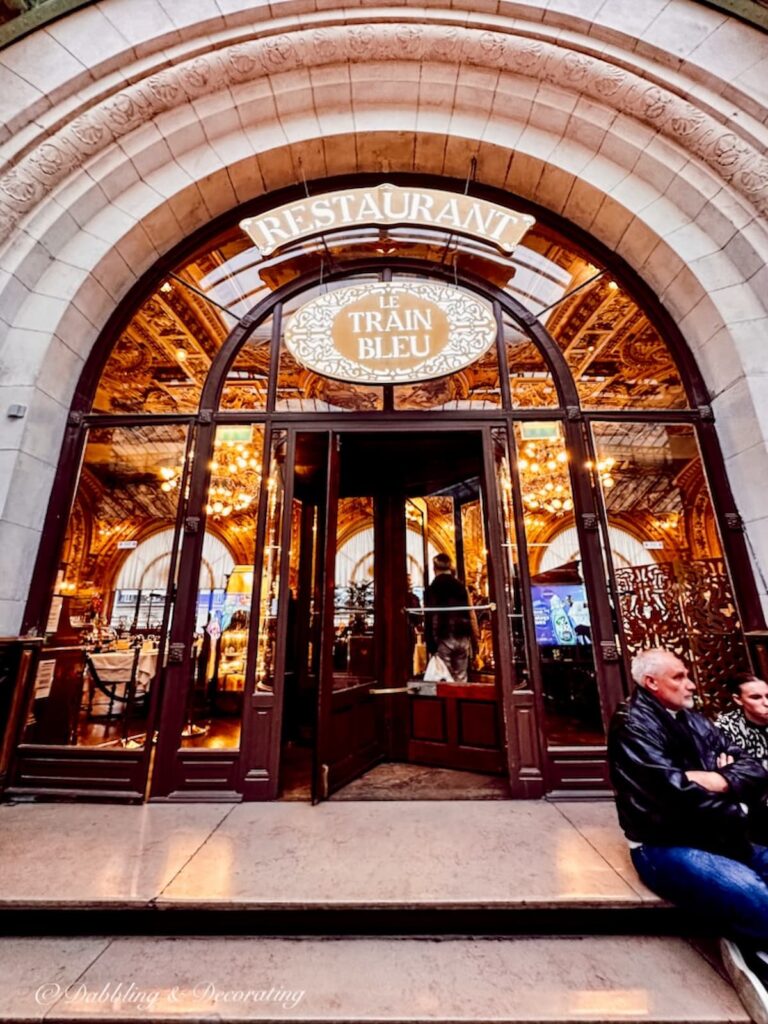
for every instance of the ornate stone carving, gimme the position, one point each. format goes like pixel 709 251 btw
pixel 46 165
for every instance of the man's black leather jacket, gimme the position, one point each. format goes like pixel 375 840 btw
pixel 650 750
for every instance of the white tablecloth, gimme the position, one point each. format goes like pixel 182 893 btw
pixel 115 667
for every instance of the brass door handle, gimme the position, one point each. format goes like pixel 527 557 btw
pixel 388 689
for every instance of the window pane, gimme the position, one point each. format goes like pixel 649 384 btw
pixel 510 565
pixel 246 385
pixel 302 390
pixel 225 589
pixel 560 607
pixel 103 635
pixel 616 355
pixel 530 382
pixel 270 568
pixel 673 586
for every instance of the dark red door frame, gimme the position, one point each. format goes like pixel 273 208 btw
pixel 570 413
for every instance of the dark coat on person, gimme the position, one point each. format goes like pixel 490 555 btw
pixel 445 591
pixel 649 751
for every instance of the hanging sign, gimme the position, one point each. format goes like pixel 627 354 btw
pixel 391 333
pixel 388 204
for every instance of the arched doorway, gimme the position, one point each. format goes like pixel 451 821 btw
pixel 576 418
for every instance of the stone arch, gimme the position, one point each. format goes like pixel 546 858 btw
pixel 109 170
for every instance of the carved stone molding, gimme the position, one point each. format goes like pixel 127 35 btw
pixel 50 163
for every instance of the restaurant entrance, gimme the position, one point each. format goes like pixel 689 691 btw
pixel 265 455
pixel 372 511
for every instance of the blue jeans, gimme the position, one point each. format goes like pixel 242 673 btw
pixel 734 894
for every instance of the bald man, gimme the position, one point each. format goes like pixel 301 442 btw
pixel 684 794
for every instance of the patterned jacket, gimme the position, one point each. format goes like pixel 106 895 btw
pixel 745 734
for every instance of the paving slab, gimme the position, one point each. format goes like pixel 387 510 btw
pixel 411 854
pixel 434 854
pixel 33 972
pixel 95 855
pixel 598 823
pixel 369 980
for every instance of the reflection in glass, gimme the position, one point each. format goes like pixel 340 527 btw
pixel 558 595
pixel 354 618
pixel 530 381
pixel 266 648
pixel 245 387
pixel 225 590
pixel 672 583
pixel 510 561
pixel 101 654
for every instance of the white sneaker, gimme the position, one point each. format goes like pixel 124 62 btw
pixel 743 971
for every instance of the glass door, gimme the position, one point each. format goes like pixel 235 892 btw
pixel 349 716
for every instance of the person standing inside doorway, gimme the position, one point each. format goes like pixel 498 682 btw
pixel 451 633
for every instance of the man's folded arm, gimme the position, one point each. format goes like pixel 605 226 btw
pixel 643 761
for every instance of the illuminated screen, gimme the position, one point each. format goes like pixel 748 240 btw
pixel 561 614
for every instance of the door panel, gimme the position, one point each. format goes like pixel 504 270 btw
pixel 454 724
pixel 349 726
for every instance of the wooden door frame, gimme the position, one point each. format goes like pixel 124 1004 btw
pixel 210 416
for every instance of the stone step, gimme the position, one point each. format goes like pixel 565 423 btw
pixel 592 980
pixel 452 855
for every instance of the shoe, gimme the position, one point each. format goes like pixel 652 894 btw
pixel 749 973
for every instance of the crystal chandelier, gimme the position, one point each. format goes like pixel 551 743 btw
pixel 235 479
pixel 544 478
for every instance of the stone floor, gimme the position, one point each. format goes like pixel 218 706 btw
pixel 392 781
pixel 393 854
pixel 590 980
pixel 280 856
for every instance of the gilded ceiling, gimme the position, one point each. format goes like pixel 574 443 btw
pixel 161 359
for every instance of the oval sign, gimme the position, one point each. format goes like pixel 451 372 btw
pixel 392 333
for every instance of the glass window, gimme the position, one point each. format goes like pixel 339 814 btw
pixel 561 611
pixel 266 650
pixel 163 355
pixel 530 381
pixel 671 578
pixel 302 390
pixel 245 388
pixel 225 590
pixel 101 656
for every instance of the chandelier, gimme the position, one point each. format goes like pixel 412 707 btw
pixel 544 478
pixel 235 479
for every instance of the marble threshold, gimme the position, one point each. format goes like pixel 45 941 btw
pixel 389 855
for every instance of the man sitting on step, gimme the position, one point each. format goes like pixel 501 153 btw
pixel 684 794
